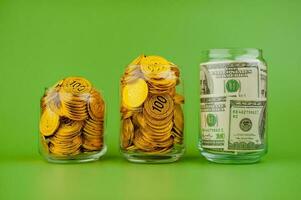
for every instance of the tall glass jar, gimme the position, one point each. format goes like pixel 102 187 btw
pixel 72 122
pixel 152 119
pixel 233 103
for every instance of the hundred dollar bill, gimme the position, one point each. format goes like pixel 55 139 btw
pixel 233 78
pixel 246 125
pixel 214 121
pixel 263 81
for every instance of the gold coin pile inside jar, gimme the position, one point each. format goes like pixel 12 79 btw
pixel 72 118
pixel 151 110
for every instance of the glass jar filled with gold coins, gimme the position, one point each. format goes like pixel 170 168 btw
pixel 72 122
pixel 152 119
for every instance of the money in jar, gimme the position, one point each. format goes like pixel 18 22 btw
pixel 152 119
pixel 233 105
pixel 72 120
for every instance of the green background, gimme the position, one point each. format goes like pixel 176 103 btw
pixel 44 41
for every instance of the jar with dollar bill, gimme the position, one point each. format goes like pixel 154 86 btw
pixel 233 103
pixel 72 122
pixel 152 119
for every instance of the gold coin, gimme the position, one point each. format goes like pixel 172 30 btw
pixel 139 120
pixel 64 143
pixel 92 140
pixel 134 94
pixel 163 150
pixel 49 122
pixel 92 146
pixel 154 65
pixel 76 85
pixel 170 91
pixel 126 114
pixel 157 123
pixel 93 125
pixel 159 106
pixel 131 148
pixel 178 136
pixel 127 133
pixel 69 127
pixel 178 99
pixel 163 83
pixel 141 143
pixel 74 141
pixel 161 129
pixel 155 137
pixel 74 107
pixel 92 131
pixel 54 149
pixel 179 117
pixel 96 105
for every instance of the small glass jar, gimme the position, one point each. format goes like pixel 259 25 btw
pixel 233 105
pixel 152 119
pixel 72 122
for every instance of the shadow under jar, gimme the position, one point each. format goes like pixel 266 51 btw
pixel 72 122
pixel 233 103
pixel 152 119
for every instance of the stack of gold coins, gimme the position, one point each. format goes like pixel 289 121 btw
pixel 151 110
pixel 72 118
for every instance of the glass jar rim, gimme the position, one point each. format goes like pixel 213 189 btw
pixel 230 52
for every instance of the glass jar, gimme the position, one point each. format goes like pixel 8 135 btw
pixel 72 122
pixel 233 105
pixel 152 119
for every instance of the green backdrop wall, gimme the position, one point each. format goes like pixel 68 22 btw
pixel 44 41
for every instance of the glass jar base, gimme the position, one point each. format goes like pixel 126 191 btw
pixel 246 158
pixel 143 158
pixel 77 159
